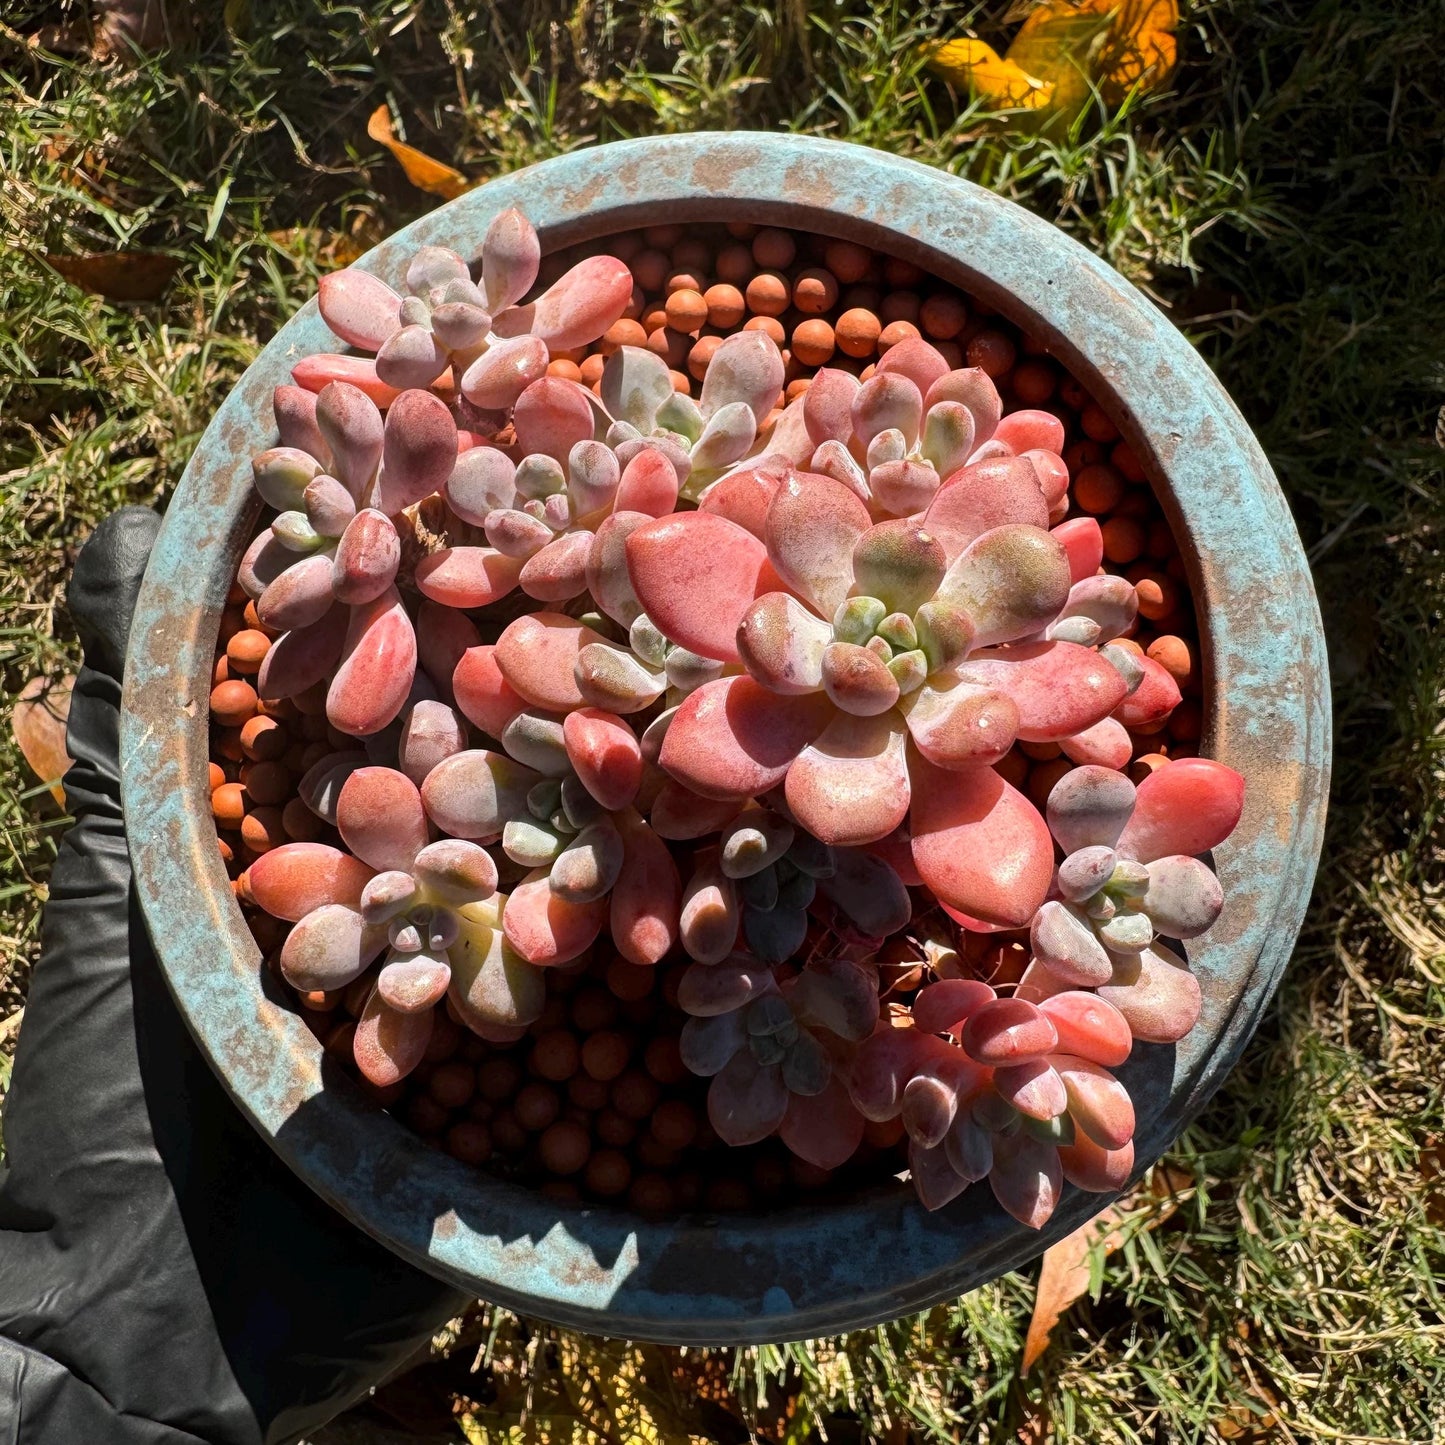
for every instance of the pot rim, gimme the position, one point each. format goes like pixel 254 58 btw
pixel 803 1270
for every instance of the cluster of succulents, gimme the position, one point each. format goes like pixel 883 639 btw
pixel 752 707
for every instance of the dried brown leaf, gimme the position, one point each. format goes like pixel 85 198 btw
pixel 118 275
pixel 38 722
pixel 1064 1276
pixel 421 170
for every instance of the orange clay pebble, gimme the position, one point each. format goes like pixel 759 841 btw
pixel 650 269
pixel 218 776
pixel 900 306
pixel 233 703
pixel 651 1194
pixel 815 291
pixel 1040 752
pixel 567 370
pixel 685 281
pixel 1186 723
pixel 771 325
pixel 735 265
pixel 608 1173
pixel 1034 382
pixel 813 342
pixel 452 1085
pixel 228 805
pixel 679 381
pixel 1123 539
pixel 671 345
pixel 497 1079
pixel 221 672
pixel 895 332
pixel 1142 766
pixel 300 823
pixel 1043 776
pixel 263 739
pixel 726 305
pixel 951 352
pixel 446 1038
pixel 591 369
pixel 267 784
pixel 768 294
pixel 593 1008
pixel 1081 454
pixel 847 260
pixel 635 1094
pixel 796 388
pixel 587 1093
pixel 901 274
pixel 1098 488
pixel 1095 424
pixel 992 352
pixel 1158 596
pixel 942 316
pixel 629 981
pixel 468 1142
pixel 605 1055
pixel 507 1134
pixel 674 1124
pixel 703 350
pixel 1127 460
pixel 654 317
pixel 773 249
pixel 226 743
pixel 635 303
pixel 262 830
pixel 536 1107
pixel 693 253
pixel 232 621
pixel 611 1128
pixel 224 849
pixel 564 1147
pixel 664 235
pixel 686 310
pixel 858 331
pixel 622 333
pixel 247 650
pixel 662 1058
pixel 1175 656
pixel 555 1056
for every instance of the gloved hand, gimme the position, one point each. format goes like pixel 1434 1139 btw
pixel 163 1276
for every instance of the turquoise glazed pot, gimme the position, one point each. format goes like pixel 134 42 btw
pixel 794 1271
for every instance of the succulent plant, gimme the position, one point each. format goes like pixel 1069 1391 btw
pixel 777 1050
pixel 773 662
pixel 492 345
pixel 877 686
pixel 999 1088
pixel 701 439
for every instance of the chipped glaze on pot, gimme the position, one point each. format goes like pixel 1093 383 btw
pixel 805 1270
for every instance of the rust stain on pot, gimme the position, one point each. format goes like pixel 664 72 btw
pixel 796 1272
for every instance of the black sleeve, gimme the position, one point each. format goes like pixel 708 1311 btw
pixel 163 1276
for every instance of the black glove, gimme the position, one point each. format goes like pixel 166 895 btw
pixel 163 1276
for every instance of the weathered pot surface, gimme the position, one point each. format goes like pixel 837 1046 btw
pixel 800 1271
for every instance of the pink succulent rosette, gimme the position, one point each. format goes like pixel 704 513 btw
pixel 871 672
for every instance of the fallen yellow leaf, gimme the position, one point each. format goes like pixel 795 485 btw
pixel 1114 44
pixel 973 65
pixel 38 721
pixel 421 170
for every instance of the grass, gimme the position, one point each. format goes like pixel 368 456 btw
pixel 1283 200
